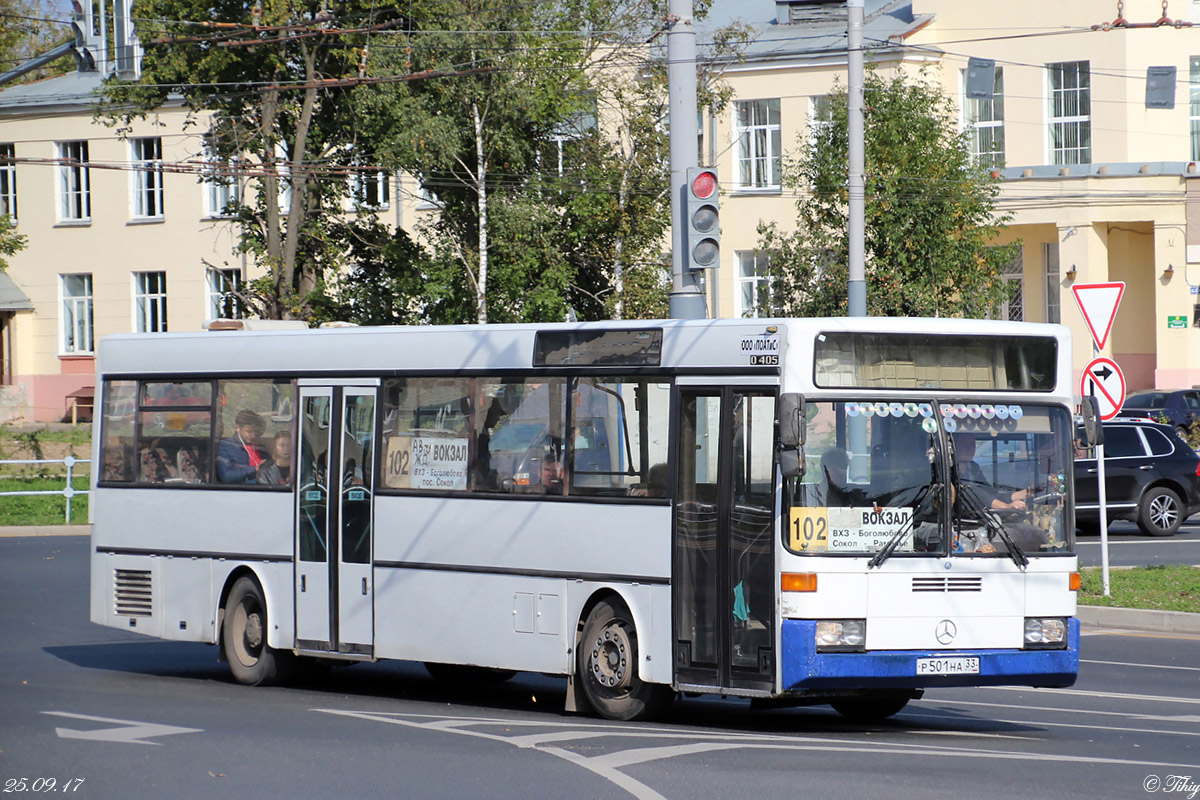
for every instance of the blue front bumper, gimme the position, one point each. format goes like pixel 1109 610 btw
pixel 806 669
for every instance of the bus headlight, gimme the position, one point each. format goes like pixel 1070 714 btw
pixel 841 635
pixel 1045 632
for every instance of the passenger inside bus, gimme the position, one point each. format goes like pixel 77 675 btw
pixel 277 468
pixel 551 474
pixel 238 456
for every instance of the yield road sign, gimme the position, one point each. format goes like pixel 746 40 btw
pixel 1103 379
pixel 1099 302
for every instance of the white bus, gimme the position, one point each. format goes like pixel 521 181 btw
pixel 842 511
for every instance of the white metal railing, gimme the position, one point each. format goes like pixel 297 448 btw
pixel 67 491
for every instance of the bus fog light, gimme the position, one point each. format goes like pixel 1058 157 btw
pixel 841 634
pixel 1045 632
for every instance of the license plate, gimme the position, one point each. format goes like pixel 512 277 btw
pixel 948 666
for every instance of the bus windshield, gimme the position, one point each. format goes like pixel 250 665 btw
pixel 932 477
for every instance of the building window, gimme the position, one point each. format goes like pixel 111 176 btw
pixel 753 284
pixel 1050 259
pixel 8 181
pixel 1070 113
pixel 74 183
pixel 983 120
pixel 147 178
pixel 1014 308
pixel 150 302
pixel 759 143
pixel 76 314
pixel 222 287
pixel 371 189
pixel 283 168
pixel 820 114
pixel 1195 107
pixel 223 193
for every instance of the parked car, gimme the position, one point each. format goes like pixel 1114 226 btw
pixel 1152 477
pixel 1179 408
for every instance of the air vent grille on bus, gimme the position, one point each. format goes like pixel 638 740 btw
pixel 948 584
pixel 133 592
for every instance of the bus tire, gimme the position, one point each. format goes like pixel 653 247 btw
pixel 244 636
pixel 607 665
pixel 871 708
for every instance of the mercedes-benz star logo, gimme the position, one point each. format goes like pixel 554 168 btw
pixel 945 632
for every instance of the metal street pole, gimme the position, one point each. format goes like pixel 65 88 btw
pixel 686 300
pixel 856 233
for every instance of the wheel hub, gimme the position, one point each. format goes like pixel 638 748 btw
pixel 610 657
pixel 253 632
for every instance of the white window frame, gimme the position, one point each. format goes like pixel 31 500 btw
pixel 820 114
pixel 983 120
pixel 1053 300
pixel 759 145
pixel 1194 103
pixel 8 180
pixel 146 179
pixel 150 302
pixel 371 190
pixel 1013 309
pixel 221 190
pixel 1076 126
pixel 217 282
pixel 751 274
pixel 76 331
pixel 74 182
pixel 283 168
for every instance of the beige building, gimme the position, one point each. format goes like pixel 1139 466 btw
pixel 1101 186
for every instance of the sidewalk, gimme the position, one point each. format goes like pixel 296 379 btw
pixel 1130 619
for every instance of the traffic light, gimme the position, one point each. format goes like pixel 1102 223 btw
pixel 703 221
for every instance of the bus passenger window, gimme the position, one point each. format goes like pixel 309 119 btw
pixel 254 432
pixel 619 437
pixel 116 431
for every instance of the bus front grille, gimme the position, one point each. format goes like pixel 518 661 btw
pixel 948 584
pixel 133 592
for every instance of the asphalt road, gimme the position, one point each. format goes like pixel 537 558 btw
pixel 1129 547
pixel 105 713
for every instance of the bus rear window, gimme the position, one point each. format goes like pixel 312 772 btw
pixel 935 361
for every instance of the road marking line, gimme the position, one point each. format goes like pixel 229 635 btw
pixel 1111 695
pixel 128 731
pixel 1132 664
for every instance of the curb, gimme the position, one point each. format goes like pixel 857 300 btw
pixel 9 531
pixel 1136 619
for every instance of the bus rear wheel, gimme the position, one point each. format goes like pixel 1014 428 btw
pixel 244 635
pixel 607 666
pixel 872 707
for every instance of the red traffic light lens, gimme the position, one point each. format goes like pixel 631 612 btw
pixel 704 185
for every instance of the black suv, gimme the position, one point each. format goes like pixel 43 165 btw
pixel 1152 477
pixel 1178 408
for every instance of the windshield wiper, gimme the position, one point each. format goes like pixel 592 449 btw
pixel 886 551
pixel 992 520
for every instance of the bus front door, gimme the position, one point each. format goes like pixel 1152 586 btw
pixel 334 585
pixel 724 546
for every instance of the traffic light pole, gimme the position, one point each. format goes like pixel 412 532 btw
pixel 856 228
pixel 686 299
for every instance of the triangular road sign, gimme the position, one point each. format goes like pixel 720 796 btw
pixel 1099 302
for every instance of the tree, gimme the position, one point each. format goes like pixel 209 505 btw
pixel 11 242
pixel 272 86
pixel 27 31
pixel 930 213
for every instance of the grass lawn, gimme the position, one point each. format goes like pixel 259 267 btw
pixel 44 509
pixel 48 442
pixel 1173 587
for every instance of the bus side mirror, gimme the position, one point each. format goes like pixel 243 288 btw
pixel 792 422
pixel 791 462
pixel 1093 430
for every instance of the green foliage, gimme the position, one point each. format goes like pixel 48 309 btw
pixel 42 509
pixel 11 242
pixel 930 213
pixel 25 32
pixel 1162 587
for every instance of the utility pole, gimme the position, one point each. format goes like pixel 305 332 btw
pixel 686 299
pixel 856 233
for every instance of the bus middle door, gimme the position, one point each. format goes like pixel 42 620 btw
pixel 334 584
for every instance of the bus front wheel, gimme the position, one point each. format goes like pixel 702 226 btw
pixel 607 665
pixel 244 635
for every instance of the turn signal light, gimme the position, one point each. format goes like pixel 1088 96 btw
pixel 798 581
pixel 1075 579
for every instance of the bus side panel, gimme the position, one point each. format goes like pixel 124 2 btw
pixel 502 582
pixel 229 524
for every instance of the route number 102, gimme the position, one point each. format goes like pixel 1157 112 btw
pixel 808 529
